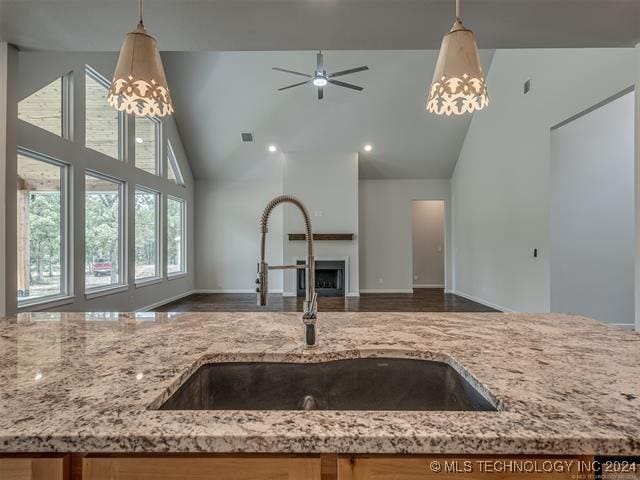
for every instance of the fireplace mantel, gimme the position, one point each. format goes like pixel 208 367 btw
pixel 322 236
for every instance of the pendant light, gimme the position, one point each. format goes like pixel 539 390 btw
pixel 458 85
pixel 139 85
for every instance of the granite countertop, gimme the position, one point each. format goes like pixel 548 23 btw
pixel 76 382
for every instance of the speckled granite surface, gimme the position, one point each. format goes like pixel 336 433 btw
pixel 84 382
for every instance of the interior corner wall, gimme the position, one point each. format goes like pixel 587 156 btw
pixel 500 186
pixel 36 69
pixel 327 183
pixel 386 231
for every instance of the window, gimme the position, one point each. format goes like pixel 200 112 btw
pixel 44 108
pixel 103 232
pixel 173 169
pixel 41 227
pixel 175 236
pixel 147 239
pixel 147 144
pixel 102 122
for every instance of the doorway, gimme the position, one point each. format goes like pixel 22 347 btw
pixel 427 224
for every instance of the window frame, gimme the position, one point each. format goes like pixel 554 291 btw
pixel 172 165
pixel 183 237
pixel 158 144
pixel 66 233
pixel 122 119
pixel 159 246
pixel 92 292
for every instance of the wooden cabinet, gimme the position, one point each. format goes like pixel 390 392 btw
pixel 459 468
pixel 25 468
pixel 200 468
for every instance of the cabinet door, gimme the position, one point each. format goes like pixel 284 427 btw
pixel 458 468
pixel 200 468
pixel 33 469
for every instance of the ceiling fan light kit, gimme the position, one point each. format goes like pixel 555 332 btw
pixel 458 85
pixel 139 85
pixel 321 78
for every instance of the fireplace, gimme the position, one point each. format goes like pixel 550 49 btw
pixel 330 278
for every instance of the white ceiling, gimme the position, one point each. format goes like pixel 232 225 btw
pixel 219 95
pixel 230 25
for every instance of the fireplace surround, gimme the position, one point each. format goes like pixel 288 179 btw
pixel 330 278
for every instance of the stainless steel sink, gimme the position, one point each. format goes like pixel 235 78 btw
pixel 357 384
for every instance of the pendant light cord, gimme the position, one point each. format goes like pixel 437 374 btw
pixel 141 24
pixel 457 9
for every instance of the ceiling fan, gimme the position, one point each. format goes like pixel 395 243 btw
pixel 321 78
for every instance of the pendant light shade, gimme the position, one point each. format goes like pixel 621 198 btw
pixel 458 85
pixel 139 84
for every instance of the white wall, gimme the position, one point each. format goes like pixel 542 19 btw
pixel 227 233
pixel 327 183
pixel 500 186
pixel 637 187
pixel 36 69
pixel 385 231
pixel 8 118
pixel 592 214
pixel 427 220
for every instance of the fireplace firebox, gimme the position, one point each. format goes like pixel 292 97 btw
pixel 329 278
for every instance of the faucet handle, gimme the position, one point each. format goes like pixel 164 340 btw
pixel 263 283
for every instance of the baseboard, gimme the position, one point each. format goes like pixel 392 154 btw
pixel 349 294
pixel 386 290
pixel 236 290
pixel 165 301
pixel 428 285
pixel 626 326
pixel 483 302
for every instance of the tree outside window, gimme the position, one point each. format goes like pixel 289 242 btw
pixel 175 236
pixel 103 232
pixel 40 228
pixel 146 234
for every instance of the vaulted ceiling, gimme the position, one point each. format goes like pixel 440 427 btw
pixel 222 25
pixel 220 95
pixel 222 52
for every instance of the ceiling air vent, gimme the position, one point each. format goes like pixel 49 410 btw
pixel 247 137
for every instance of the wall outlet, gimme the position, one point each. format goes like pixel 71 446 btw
pixel 380 280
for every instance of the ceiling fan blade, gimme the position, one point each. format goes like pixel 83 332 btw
pixel 348 72
pixel 320 93
pixel 291 71
pixel 294 85
pixel 346 85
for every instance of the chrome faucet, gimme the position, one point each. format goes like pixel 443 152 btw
pixel 310 309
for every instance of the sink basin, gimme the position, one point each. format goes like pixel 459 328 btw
pixel 356 384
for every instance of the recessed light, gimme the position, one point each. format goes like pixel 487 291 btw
pixel 272 148
pixel 368 148
pixel 139 376
pixel 139 140
pixel 38 376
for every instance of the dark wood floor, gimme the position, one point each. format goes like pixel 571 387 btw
pixel 422 300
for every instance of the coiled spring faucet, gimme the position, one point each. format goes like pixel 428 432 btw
pixel 310 309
